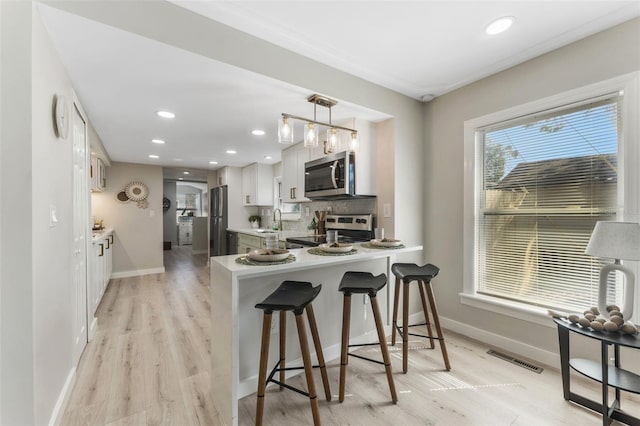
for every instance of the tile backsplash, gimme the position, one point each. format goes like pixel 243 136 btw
pixel 355 206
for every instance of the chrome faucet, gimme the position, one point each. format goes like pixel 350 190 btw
pixel 279 222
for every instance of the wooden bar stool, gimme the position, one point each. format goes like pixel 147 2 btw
pixel 363 283
pixel 408 272
pixel 293 296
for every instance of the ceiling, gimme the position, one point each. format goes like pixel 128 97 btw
pixel 416 48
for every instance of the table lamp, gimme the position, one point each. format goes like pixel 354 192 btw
pixel 616 240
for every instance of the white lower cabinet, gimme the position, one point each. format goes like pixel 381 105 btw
pixel 102 263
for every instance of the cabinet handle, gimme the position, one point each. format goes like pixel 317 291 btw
pixel 91 170
pixel 111 236
pixel 108 245
pixel 247 199
pixel 101 250
pixel 294 193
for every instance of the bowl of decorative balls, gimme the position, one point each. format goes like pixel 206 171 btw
pixel 612 321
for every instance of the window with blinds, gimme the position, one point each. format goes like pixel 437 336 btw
pixel 546 180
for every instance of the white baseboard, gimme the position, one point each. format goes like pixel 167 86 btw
pixel 92 327
pixel 63 399
pixel 514 346
pixel 199 251
pixel 137 273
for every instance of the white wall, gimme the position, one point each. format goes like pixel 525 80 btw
pixel 596 58
pixel 16 243
pixel 36 170
pixel 52 180
pixel 138 232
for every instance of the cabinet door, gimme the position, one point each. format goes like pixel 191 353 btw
pixel 249 185
pixel 301 158
pixel 264 185
pixel 289 174
pixel 222 176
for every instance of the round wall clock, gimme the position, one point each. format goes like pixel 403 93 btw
pixel 61 116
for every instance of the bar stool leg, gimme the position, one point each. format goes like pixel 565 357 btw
pixel 316 343
pixel 308 368
pixel 436 321
pixel 262 374
pixel 344 357
pixel 383 347
pixel 405 326
pixel 283 345
pixel 426 315
pixel 394 325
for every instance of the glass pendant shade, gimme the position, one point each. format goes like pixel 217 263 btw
pixel 310 135
pixel 285 130
pixel 353 142
pixel 332 139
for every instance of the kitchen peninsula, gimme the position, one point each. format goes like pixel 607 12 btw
pixel 236 324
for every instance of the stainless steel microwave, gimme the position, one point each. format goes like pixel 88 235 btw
pixel 332 176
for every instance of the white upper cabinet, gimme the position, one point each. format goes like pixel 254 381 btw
pixel 98 174
pixel 293 160
pixel 222 177
pixel 257 185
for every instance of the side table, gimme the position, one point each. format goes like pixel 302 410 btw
pixel 613 376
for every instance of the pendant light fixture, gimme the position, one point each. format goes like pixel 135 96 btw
pixel 311 129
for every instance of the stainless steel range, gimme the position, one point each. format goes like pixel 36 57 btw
pixel 352 228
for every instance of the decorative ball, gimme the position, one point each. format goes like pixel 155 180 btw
pixel 617 320
pixel 610 326
pixel 587 312
pixel 574 318
pixel 615 314
pixel 595 310
pixel 590 316
pixel 597 326
pixel 629 328
pixel 613 308
pixel 584 322
pixel 601 320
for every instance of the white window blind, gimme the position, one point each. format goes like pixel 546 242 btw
pixel 546 180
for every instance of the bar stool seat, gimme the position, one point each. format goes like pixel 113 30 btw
pixel 363 283
pixel 293 296
pixel 407 273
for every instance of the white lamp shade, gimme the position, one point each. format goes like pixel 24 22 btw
pixel 615 240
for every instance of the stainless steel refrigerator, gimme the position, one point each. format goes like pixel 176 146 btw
pixel 218 221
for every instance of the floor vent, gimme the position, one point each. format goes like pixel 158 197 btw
pixel 516 361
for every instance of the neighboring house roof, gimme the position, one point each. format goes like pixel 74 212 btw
pixel 601 168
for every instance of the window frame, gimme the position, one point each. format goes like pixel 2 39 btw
pixel 628 182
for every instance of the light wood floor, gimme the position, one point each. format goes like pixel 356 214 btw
pixel 149 361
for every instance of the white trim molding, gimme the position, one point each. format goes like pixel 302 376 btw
pixel 63 399
pixel 137 273
pixel 628 188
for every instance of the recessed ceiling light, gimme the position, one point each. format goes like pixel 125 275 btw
pixel 186 173
pixel 231 151
pixel 500 25
pixel 158 141
pixel 180 178
pixel 153 156
pixel 166 114
pixel 267 157
pixel 258 132
pixel 213 162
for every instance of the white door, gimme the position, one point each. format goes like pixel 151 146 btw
pixel 80 231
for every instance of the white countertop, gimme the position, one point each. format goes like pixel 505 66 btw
pixel 304 260
pixel 282 235
pixel 99 235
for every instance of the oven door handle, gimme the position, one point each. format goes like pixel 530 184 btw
pixel 333 174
